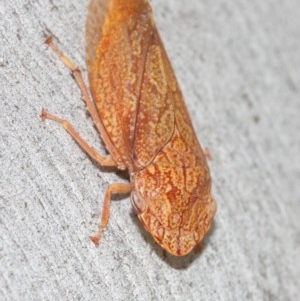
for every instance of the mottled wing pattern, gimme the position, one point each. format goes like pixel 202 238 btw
pixel 96 15
pixel 182 119
pixel 129 86
pixel 155 114
pixel 96 11
pixel 133 84
pixel 162 101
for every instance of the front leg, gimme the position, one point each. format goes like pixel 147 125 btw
pixel 112 188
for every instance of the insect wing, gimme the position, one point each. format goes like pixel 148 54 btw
pixel 131 84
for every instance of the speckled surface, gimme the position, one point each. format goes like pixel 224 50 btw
pixel 238 65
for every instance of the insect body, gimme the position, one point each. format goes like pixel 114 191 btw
pixel 139 111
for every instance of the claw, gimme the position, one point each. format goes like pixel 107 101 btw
pixel 95 240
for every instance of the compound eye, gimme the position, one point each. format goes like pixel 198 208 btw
pixel 138 204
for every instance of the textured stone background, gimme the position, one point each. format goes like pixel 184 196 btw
pixel 238 63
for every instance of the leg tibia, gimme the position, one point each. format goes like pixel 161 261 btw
pixel 112 188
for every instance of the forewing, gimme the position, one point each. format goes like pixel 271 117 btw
pixel 155 115
pixel 96 11
pixel 183 122
pixel 162 108
pixel 132 83
pixel 128 84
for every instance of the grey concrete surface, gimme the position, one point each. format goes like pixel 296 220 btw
pixel 238 63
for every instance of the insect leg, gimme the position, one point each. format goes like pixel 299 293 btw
pixel 207 153
pixel 103 161
pixel 86 96
pixel 112 188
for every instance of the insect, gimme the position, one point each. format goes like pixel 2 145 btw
pixel 139 111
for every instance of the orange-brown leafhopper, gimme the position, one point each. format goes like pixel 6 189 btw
pixel 140 114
